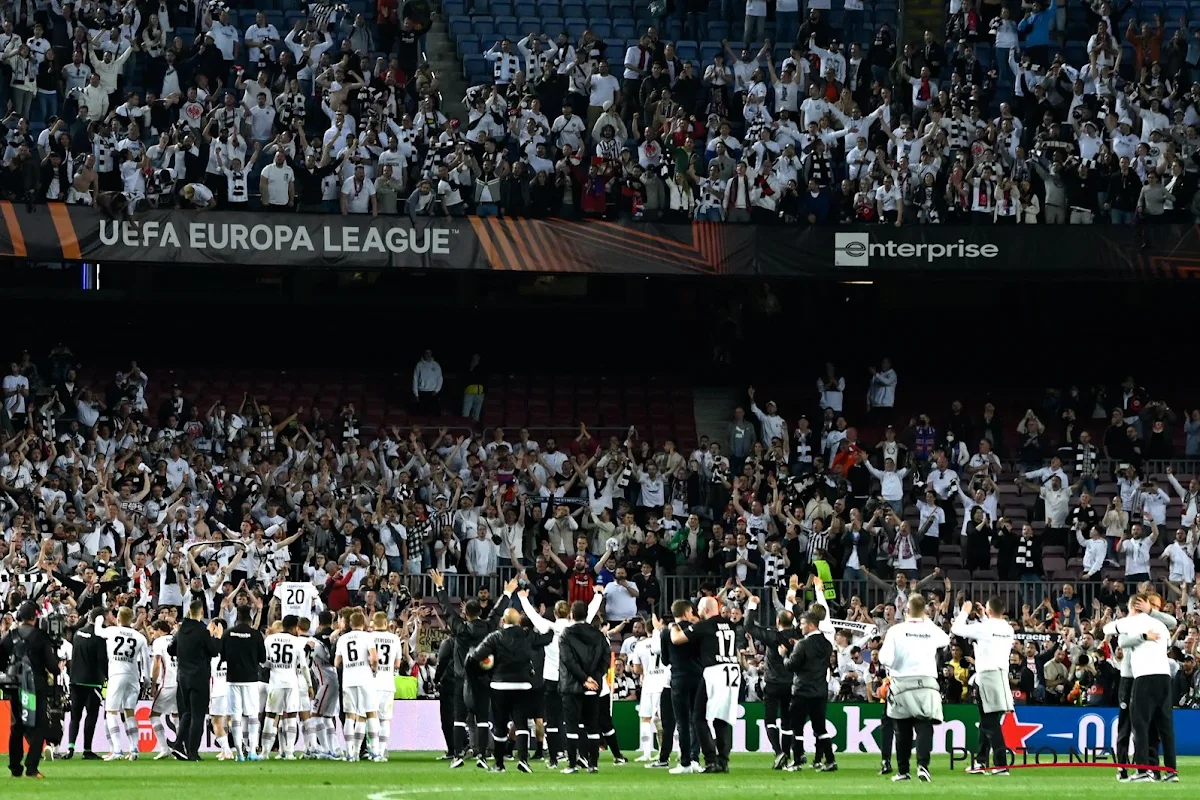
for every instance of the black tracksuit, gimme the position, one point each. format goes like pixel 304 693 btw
pixel 511 677
pixel 89 671
pixel 194 649
pixel 583 653
pixel 777 687
pixel 474 695
pixel 448 690
pixel 685 681
pixel 244 651
pixel 809 664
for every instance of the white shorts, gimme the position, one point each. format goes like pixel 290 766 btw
pixel 722 683
pixel 359 700
pixel 283 700
pixel 325 704
pixel 122 693
pixel 385 702
pixel 244 700
pixel 262 696
pixel 165 701
pixel 218 706
pixel 648 704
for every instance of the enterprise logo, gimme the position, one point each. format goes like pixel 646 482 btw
pixel 856 249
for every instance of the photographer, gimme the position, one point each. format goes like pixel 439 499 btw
pixel 27 654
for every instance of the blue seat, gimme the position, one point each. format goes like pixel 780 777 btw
pixel 621 13
pixel 526 10
pixel 596 9
pixel 574 11
pixel 623 28
pixel 575 28
pixel 553 26
pixel 468 45
pixel 527 24
pixel 708 50
pixel 615 54
pixel 507 26
pixel 484 27
pixel 454 8
pixel 475 64
pixel 458 25
pixel 1147 10
pixel 187 34
pixel 503 9
pixel 718 30
pixel 277 19
pixel 292 17
pixel 602 28
pixel 687 50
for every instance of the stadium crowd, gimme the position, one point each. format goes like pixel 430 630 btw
pixel 119 504
pixel 1023 115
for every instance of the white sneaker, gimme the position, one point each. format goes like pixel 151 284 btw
pixel 681 770
pixel 161 754
pixel 115 755
pixel 695 768
pixel 644 757
pixel 923 775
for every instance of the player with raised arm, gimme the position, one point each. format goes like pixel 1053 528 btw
pixel 128 664
pixel 358 659
pixel 325 702
pixel 163 675
pixel 390 649
pixel 993 638
pixel 288 687
pixel 777 699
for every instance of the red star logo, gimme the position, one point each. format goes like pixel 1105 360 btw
pixel 1017 732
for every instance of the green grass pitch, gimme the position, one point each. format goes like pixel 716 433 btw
pixel 418 775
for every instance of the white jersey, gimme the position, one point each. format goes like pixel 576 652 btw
pixel 910 649
pixel 128 653
pixel 285 660
pixel 167 670
pixel 354 650
pixel 648 656
pixel 388 650
pixel 993 642
pixel 296 598
pixel 220 677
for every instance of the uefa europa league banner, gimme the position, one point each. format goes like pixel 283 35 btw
pixel 56 232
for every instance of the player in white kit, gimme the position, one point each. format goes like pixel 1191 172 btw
pixel 647 662
pixel 299 599
pixel 163 672
pixel 390 650
pixel 357 658
pixel 288 689
pixel 128 662
pixel 218 701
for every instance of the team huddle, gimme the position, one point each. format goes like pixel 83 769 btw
pixel 514 684
pixel 286 689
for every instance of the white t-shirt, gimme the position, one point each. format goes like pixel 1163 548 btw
pixel 203 195
pixel 618 602
pixel 1137 556
pixel 128 653
pixel 285 659
pixel 604 89
pixel 354 649
pixel 358 196
pixel 16 403
pixel 278 180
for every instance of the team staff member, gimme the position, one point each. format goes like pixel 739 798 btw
pixel 909 652
pixel 583 659
pixel 447 685
pixel 512 650
pixel 993 638
pixel 28 641
pixel 194 647
pixel 1125 687
pixel 1145 641
pixel 808 661
pixel 716 701
pixel 89 670
pixel 685 679
pixel 777 688
pixel 474 697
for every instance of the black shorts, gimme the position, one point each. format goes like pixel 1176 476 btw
pixel 536 702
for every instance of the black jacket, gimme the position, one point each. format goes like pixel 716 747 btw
pixel 583 653
pixel 778 675
pixel 466 634
pixel 244 651
pixel 194 649
pixel 89 658
pixel 512 648
pixel 809 663
pixel 444 675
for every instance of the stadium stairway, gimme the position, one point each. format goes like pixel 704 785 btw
pixel 918 16
pixel 713 409
pixel 444 60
